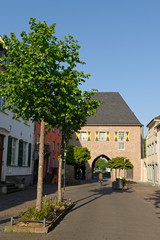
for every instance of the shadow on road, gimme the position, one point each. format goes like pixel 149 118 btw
pixel 29 194
pixel 154 198
pixel 99 192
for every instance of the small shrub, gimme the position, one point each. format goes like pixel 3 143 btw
pixel 33 214
pixel 123 179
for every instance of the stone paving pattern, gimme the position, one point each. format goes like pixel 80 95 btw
pixel 99 212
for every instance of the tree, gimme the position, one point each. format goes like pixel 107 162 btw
pixel 101 163
pixel 42 83
pixel 77 156
pixel 120 163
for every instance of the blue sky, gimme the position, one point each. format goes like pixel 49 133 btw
pixel 119 39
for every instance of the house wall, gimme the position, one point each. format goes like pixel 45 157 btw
pixel 52 136
pixel 17 129
pixel 132 148
pixel 152 156
pixel 158 152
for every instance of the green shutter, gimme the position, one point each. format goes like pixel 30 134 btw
pixel 29 154
pixel 20 153
pixel 9 152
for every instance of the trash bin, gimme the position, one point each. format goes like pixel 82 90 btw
pixel 120 184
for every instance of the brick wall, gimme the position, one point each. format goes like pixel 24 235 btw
pixel 110 149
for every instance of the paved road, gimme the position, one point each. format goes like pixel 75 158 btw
pixel 101 213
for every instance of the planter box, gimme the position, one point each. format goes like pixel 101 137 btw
pixel 30 227
pixel 117 186
pixel 114 185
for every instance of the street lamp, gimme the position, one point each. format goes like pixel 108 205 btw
pixel 64 184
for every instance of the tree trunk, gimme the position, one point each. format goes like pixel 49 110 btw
pixel 60 169
pixel 60 180
pixel 40 169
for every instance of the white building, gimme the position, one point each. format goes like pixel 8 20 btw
pixel 16 144
pixel 151 162
pixel 16 147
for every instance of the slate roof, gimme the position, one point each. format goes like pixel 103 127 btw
pixel 114 111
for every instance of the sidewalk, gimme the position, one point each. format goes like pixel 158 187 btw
pixel 12 204
pixel 149 192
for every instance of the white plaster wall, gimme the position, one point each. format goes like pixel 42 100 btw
pixel 19 130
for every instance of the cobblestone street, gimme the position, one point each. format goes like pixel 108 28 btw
pixel 99 212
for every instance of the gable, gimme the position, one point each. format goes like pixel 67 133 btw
pixel 114 111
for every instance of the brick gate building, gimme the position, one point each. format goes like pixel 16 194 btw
pixel 115 132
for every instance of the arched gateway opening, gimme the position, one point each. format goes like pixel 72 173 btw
pixel 94 169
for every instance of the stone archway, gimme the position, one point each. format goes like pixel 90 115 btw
pixel 94 161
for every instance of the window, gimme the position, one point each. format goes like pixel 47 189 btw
pixel 59 130
pixel 24 153
pixel 155 147
pixel 121 136
pixel 102 136
pixel 54 145
pixel 47 164
pixel 121 145
pixel 156 172
pixel 13 156
pixel 54 129
pixel 152 148
pixel 83 136
pixel 149 172
pixel 57 147
pixel 12 151
pixel 24 161
pixel 47 147
pixel 147 150
pixel 53 162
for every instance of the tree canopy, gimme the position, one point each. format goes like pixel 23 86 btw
pixel 101 163
pixel 120 163
pixel 77 156
pixel 42 81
